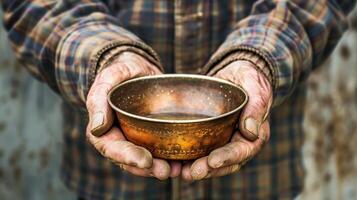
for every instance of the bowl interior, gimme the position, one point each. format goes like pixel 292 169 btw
pixel 177 97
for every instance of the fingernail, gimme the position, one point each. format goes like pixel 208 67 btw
pixel 97 122
pixel 251 126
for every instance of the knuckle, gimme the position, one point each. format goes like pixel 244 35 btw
pixel 100 146
pixel 101 89
pixel 103 151
pixel 122 68
pixel 119 164
pixel 236 152
pixel 234 168
pixel 96 101
pixel 125 153
pixel 90 103
pixel 88 136
pixel 250 150
pixel 221 74
pixel 126 148
pixel 103 86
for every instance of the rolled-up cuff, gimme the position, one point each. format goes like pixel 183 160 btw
pixel 113 50
pixel 247 54
pixel 80 52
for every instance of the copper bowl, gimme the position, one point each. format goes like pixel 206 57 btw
pixel 178 117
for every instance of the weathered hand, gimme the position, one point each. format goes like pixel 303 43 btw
pixel 253 130
pixel 108 139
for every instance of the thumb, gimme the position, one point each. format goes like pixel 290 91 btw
pixel 259 90
pixel 100 114
pixel 255 113
pixel 126 66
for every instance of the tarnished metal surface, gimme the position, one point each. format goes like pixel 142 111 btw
pixel 174 117
pixel 30 130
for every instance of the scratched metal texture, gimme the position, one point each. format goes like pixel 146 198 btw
pixel 31 132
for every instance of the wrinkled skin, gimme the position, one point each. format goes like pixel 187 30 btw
pixel 246 142
pixel 108 139
pixel 253 131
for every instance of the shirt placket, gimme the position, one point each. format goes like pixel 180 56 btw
pixel 188 17
pixel 188 28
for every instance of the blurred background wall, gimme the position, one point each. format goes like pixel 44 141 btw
pixel 31 134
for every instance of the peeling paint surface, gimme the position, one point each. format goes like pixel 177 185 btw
pixel 331 124
pixel 31 132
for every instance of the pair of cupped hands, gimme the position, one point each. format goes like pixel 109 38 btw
pixel 251 134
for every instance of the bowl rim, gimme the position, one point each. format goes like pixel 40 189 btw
pixel 193 76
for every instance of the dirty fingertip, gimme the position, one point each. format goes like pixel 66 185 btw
pixel 161 169
pixel 143 158
pixel 215 160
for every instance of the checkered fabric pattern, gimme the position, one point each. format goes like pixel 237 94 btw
pixel 61 43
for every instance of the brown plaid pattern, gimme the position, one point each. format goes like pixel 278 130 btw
pixel 62 41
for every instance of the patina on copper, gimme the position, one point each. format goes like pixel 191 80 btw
pixel 178 116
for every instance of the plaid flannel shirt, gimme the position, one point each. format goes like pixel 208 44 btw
pixel 61 43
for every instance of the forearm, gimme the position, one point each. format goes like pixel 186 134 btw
pixel 61 42
pixel 292 37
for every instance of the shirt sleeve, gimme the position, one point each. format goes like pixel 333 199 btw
pixel 291 37
pixel 60 42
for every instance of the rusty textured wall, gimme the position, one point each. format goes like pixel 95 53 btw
pixel 30 134
pixel 331 124
pixel 30 131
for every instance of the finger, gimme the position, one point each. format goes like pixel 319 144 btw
pixel 175 168
pixel 186 171
pixel 113 146
pixel 135 60
pixel 195 170
pixel 224 171
pixel 264 131
pixel 160 170
pixel 135 170
pixel 255 112
pixel 199 168
pixel 100 114
pixel 238 151
pixel 259 92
